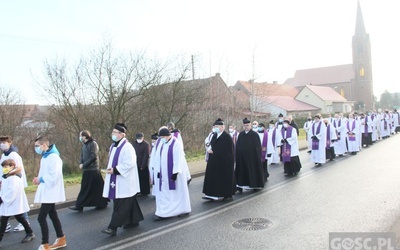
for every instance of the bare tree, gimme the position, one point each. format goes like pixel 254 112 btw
pixel 12 110
pixel 103 88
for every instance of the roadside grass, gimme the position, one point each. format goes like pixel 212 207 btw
pixel 69 180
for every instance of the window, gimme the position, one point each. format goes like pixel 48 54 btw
pixel 361 71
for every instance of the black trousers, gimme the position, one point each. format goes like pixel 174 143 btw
pixel 126 211
pixel 20 218
pixel 49 209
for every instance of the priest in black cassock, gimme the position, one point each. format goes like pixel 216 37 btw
pixel 142 149
pixel 249 172
pixel 219 180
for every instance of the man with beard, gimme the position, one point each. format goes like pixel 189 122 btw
pixel 219 177
pixel 248 172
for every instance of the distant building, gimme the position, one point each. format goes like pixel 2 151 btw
pixel 352 81
pixel 270 99
pixel 325 98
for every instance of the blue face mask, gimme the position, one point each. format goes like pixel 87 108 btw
pixel 38 150
pixel 114 138
pixel 164 140
pixel 260 129
pixel 216 130
pixel 80 139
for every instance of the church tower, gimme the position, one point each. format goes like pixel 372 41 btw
pixel 362 85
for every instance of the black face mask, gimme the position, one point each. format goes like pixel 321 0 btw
pixel 309 119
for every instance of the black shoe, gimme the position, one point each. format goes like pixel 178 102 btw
pixel 183 215
pixel 188 181
pixel 100 208
pixel 109 231
pixel 157 218
pixel 130 225
pixel 28 238
pixel 227 198
pixel 75 208
pixel 240 190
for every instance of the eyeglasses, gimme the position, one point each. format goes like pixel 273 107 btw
pixel 38 145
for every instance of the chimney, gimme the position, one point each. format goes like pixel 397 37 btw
pixel 218 74
pixel 275 82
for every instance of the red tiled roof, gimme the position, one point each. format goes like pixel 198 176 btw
pixel 321 76
pixel 267 89
pixel 289 103
pixel 326 93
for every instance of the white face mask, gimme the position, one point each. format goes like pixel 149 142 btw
pixel 285 125
pixel 271 126
pixel 139 140
pixel 3 147
pixel 230 130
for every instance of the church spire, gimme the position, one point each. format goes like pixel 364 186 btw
pixel 360 27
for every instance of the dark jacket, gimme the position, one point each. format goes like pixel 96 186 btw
pixel 89 155
pixel 142 154
pixel 294 125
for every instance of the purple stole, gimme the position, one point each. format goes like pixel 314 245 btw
pixel 366 127
pixel 392 118
pixel 384 122
pixel 328 136
pixel 315 143
pixel 351 137
pixel 264 144
pixel 234 139
pixel 170 165
pixel 287 149
pixel 113 177
pixel 176 134
pixel 273 136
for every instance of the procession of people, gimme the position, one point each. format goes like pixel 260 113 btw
pixel 236 161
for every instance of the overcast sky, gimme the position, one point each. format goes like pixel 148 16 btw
pixel 223 35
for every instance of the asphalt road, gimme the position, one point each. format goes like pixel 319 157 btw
pixel 351 194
